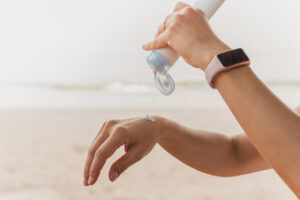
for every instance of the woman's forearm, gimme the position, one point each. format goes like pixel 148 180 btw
pixel 273 128
pixel 212 153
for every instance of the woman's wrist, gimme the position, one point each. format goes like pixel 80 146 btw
pixel 215 49
pixel 165 128
pixel 232 77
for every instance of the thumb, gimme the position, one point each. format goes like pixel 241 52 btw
pixel 123 163
pixel 159 42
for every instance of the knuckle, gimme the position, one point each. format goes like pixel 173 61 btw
pixel 102 126
pixel 200 12
pixel 111 122
pixel 100 154
pixel 172 28
pixel 105 122
pixel 178 17
pixel 91 151
pixel 188 10
pixel 179 4
pixel 120 130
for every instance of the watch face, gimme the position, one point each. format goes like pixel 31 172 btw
pixel 233 57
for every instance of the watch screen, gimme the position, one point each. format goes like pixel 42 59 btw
pixel 233 57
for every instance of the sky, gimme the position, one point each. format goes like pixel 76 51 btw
pixel 93 41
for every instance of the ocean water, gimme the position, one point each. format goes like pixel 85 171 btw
pixel 64 53
pixel 118 95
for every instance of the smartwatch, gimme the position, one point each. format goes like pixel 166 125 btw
pixel 225 61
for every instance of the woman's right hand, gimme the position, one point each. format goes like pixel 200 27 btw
pixel 187 31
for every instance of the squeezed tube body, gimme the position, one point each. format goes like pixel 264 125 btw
pixel 163 59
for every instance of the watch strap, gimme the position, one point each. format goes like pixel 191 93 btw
pixel 214 67
pixel 224 62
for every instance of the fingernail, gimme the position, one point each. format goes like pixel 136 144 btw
pixel 91 180
pixel 85 182
pixel 114 176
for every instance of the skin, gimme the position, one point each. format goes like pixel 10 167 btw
pixel 272 130
pixel 297 109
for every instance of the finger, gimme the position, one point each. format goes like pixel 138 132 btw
pixel 96 142
pixel 90 158
pixel 100 138
pixel 102 154
pixel 159 42
pixel 161 29
pixel 127 160
pixel 180 5
pixel 101 129
pixel 163 26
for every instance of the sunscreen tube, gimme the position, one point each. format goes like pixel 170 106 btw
pixel 163 59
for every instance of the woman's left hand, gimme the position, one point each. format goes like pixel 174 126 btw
pixel 138 136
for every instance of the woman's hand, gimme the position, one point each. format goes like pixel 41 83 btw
pixel 187 31
pixel 138 136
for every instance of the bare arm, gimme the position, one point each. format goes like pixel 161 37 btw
pixel 205 151
pixel 298 110
pixel 208 152
pixel 272 127
pixel 213 153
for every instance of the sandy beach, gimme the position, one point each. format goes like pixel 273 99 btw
pixel 67 66
pixel 42 153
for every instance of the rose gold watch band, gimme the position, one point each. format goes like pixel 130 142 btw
pixel 215 67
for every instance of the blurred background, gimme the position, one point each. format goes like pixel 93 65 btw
pixel 66 66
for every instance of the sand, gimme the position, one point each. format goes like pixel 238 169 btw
pixel 42 154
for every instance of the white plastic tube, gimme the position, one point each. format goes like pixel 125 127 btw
pixel 163 59
pixel 209 7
